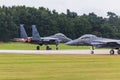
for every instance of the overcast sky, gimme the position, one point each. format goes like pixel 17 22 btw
pixel 99 7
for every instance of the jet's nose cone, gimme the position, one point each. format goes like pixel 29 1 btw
pixel 73 42
pixel 68 39
pixel 69 43
pixel 64 40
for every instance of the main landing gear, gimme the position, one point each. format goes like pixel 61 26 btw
pixel 47 47
pixel 38 48
pixel 112 52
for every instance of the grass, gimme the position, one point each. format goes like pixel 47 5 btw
pixel 16 46
pixel 59 67
pixel 25 46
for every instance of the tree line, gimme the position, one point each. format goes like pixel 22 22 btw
pixel 50 22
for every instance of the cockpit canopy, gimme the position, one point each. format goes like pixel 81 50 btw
pixel 86 36
pixel 60 34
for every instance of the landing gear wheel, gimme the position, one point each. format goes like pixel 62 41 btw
pixel 57 48
pixel 118 52
pixel 38 48
pixel 48 48
pixel 112 52
pixel 92 52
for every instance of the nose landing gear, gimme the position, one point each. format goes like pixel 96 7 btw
pixel 56 47
pixel 92 50
pixel 112 52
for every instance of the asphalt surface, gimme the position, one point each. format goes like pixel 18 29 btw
pixel 54 52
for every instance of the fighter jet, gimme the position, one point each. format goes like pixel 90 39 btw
pixel 98 42
pixel 36 39
pixel 50 40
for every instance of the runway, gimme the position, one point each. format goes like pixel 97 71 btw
pixel 53 52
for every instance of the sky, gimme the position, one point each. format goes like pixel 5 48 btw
pixel 99 7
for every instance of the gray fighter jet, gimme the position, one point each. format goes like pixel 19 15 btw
pixel 50 40
pixel 36 39
pixel 98 42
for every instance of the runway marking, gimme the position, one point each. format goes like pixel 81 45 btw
pixel 52 52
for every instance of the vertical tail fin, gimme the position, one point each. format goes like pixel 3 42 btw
pixel 35 33
pixel 23 33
